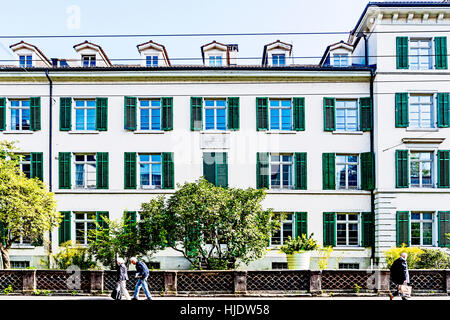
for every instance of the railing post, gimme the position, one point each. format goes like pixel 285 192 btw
pixel 315 282
pixel 240 282
pixel 170 282
pixel 382 281
pixel 97 280
pixel 29 281
pixel 447 276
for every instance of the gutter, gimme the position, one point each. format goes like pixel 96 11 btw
pixel 372 149
pixel 50 140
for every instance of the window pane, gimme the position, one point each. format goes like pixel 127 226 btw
pixel 221 125
pixel 145 119
pixel 286 119
pixel 145 174
pixel 275 119
pixel 341 234
pixel 79 175
pixel 415 233
pixel 156 119
pixel 427 234
pixel 209 119
pixel 275 176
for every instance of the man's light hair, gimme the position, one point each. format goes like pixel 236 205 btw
pixel 403 254
pixel 120 260
pixel 133 259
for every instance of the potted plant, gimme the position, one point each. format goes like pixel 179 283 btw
pixel 298 251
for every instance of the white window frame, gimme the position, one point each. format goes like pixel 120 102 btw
pixel 215 108
pixel 282 164
pixel 434 235
pixel 278 59
pixel 433 111
pixel 152 60
pixel 433 168
pixel 339 57
pixel 285 221
pixel 291 107
pixel 26 60
pixel 150 162
pixel 430 55
pixel 85 221
pixel 150 108
pixel 347 163
pixel 20 108
pixel 85 107
pixel 85 175
pixel 347 222
pixel 345 108
pixel 23 161
pixel 91 57
pixel 213 59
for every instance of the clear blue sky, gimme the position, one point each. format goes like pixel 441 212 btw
pixel 31 17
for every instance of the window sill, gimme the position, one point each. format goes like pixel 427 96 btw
pixel 148 132
pixel 281 132
pixel 18 132
pixel 348 132
pixel 84 132
pixel 349 248
pixel 215 131
pixel 22 246
pixel 422 129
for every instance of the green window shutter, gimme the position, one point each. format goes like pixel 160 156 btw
pixel 401 168
pixel 2 114
pixel 262 114
pixel 262 170
pixel 37 170
pixel 64 227
pixel 221 169
pixel 209 167
pixel 35 113
pixel 367 171
pixel 329 229
pixel 130 170
pixel 130 221
pixel 440 45
pixel 368 229
pixel 301 224
pixel 328 171
pixel 402 53
pixel 65 114
pixel 443 228
pixel 233 113
pixel 443 166
pixel 402 228
pixel 299 113
pixel 167 113
pixel 102 170
pixel 2 233
pixel 300 170
pixel 328 114
pixel 101 216
pixel 130 112
pixel 443 110
pixel 102 114
pixel 365 112
pixel 401 110
pixel 64 164
pixel 168 174
pixel 196 113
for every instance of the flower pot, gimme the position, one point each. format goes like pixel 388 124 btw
pixel 299 260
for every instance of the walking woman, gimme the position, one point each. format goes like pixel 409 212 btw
pixel 122 277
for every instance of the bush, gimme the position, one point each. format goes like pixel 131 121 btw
pixel 74 255
pixel 434 259
pixel 413 255
pixel 299 244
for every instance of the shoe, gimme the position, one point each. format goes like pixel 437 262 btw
pixel 134 298
pixel 391 296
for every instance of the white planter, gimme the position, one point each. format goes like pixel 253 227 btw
pixel 299 261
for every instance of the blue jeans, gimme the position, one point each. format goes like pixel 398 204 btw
pixel 142 283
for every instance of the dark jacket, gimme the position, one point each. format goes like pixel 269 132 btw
pixel 399 271
pixel 142 269
pixel 122 273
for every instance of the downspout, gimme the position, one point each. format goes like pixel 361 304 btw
pixel 50 153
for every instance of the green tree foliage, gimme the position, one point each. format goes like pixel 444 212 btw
pixel 116 238
pixel 434 259
pixel 413 255
pixel 70 255
pixel 212 226
pixel 27 208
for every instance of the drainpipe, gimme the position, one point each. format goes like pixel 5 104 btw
pixel 50 153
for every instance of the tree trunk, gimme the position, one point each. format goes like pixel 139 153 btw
pixel 5 257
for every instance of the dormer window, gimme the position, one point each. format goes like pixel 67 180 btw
pixel 215 61
pixel 25 61
pixel 279 60
pixel 340 60
pixel 88 60
pixel 151 61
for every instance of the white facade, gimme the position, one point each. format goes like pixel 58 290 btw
pixel 313 84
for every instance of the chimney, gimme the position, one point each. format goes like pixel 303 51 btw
pixel 233 49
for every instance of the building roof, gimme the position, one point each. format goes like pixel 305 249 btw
pixel 219 44
pixel 94 45
pixel 327 50
pixel 158 45
pixel 34 47
pixel 264 57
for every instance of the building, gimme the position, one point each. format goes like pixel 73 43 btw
pixel 354 148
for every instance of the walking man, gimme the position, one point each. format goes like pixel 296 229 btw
pixel 399 274
pixel 122 277
pixel 142 275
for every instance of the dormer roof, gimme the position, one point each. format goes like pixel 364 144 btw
pixel 25 45
pixel 153 45
pixel 274 45
pixel 86 44
pixel 338 45
pixel 216 45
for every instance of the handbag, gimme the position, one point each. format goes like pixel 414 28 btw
pixel 116 294
pixel 404 290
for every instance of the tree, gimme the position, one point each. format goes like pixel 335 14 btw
pixel 27 208
pixel 114 239
pixel 215 226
